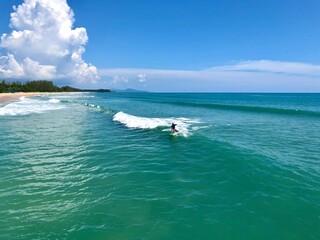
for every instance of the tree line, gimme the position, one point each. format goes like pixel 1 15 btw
pixel 39 86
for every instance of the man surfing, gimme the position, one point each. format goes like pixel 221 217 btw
pixel 173 128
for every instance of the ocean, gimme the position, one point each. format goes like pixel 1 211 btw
pixel 106 166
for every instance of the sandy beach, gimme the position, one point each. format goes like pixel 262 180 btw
pixel 10 97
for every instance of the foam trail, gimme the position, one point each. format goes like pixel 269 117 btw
pixel 27 106
pixel 131 121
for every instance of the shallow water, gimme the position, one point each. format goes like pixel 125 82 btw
pixel 104 166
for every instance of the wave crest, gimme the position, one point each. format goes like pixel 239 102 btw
pixel 130 121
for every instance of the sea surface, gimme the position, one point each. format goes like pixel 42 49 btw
pixel 105 166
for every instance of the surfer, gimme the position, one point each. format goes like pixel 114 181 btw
pixel 173 128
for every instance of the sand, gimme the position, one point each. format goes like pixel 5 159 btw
pixel 10 97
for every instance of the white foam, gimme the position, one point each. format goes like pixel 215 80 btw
pixel 131 121
pixel 92 105
pixel 53 100
pixel 71 95
pixel 27 106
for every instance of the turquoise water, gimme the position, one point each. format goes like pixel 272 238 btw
pixel 105 166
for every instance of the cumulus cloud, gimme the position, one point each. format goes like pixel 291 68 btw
pixel 44 45
pixel 246 76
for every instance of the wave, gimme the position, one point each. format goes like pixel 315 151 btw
pixel 27 106
pixel 100 108
pixel 130 121
pixel 257 109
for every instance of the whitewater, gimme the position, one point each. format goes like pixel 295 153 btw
pixel 106 166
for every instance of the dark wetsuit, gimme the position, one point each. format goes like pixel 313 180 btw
pixel 173 128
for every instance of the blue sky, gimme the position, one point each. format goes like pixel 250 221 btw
pixel 195 34
pixel 182 45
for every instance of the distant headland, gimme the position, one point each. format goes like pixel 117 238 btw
pixel 128 90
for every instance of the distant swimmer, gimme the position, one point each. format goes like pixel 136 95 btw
pixel 173 128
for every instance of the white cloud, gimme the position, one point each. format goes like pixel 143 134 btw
pixel 9 67
pixel 118 81
pixel 273 67
pixel 43 44
pixel 261 76
pixel 142 77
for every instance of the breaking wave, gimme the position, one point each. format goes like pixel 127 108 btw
pixel 27 106
pixel 183 124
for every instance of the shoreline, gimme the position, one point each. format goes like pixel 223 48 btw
pixel 11 97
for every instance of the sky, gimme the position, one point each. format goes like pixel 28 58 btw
pixel 164 45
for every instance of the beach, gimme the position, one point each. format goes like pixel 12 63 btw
pixel 10 97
